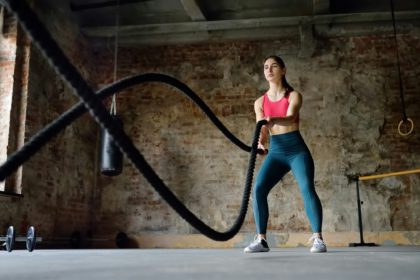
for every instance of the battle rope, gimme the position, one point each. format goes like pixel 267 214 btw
pixel 34 144
pixel 69 73
pixel 405 120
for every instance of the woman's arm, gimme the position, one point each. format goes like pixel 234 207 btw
pixel 259 115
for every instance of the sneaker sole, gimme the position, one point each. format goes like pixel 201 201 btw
pixel 261 251
pixel 318 251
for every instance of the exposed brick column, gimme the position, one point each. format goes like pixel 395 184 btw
pixel 7 68
pixel 18 106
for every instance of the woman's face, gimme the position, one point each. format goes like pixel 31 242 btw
pixel 273 71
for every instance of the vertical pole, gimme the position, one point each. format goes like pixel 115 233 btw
pixel 359 212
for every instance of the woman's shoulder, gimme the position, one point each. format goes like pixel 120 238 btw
pixel 259 100
pixel 295 94
pixel 296 98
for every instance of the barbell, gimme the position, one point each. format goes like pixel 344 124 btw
pixel 75 241
pixel 30 239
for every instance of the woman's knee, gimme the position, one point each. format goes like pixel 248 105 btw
pixel 260 192
pixel 306 185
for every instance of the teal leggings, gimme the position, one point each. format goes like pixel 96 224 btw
pixel 287 152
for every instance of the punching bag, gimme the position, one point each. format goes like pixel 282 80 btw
pixel 111 158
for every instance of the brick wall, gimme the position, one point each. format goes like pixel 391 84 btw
pixel 58 182
pixel 190 155
pixel 7 68
pixel 349 120
pixel 393 152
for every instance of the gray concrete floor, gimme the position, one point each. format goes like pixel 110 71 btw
pixel 396 263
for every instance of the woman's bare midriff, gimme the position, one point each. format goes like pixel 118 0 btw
pixel 282 129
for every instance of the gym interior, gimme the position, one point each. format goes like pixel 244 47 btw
pixel 76 205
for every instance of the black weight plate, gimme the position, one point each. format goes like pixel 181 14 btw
pixel 121 240
pixel 10 239
pixel 30 239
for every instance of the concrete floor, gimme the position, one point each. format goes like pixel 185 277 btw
pixel 396 263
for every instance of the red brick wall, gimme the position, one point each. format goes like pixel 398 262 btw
pixel 396 152
pixel 58 182
pixel 349 120
pixel 164 124
pixel 7 69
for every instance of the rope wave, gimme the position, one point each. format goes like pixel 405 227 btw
pixel 90 101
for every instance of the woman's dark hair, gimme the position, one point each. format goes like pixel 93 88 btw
pixel 280 62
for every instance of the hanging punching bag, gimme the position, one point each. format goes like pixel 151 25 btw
pixel 111 158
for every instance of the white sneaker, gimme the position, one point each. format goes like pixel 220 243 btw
pixel 258 245
pixel 318 245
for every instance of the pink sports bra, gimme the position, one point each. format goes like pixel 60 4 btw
pixel 277 108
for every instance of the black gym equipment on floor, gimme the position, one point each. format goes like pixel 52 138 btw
pixel 10 239
pixel 76 240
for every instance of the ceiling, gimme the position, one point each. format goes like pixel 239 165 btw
pixel 187 21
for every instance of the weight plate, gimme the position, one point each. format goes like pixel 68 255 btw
pixel 121 240
pixel 30 239
pixel 10 239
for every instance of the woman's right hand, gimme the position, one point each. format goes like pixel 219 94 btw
pixel 262 148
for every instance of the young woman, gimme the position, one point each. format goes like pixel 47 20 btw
pixel 280 107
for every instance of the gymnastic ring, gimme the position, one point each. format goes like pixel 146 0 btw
pixel 410 130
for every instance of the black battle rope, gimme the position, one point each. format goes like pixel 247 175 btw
pixel 34 144
pixel 398 64
pixel 69 73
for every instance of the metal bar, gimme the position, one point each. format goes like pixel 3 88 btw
pixel 20 239
pixel 359 213
pixel 23 239
pixel 40 239
pixel 406 172
pixel 99 5
pixel 359 202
